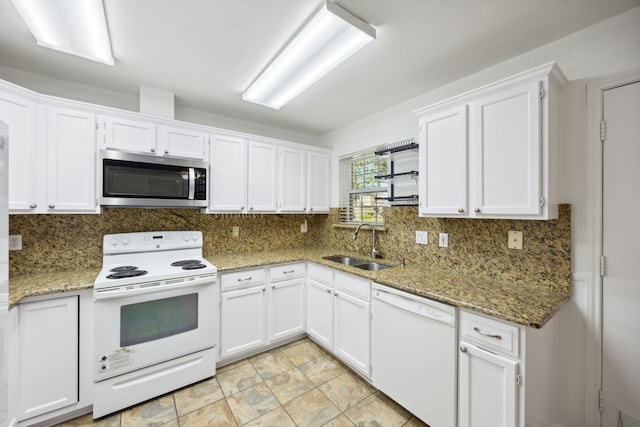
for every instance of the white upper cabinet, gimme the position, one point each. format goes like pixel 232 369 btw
pixel 182 142
pixel 443 162
pixel 506 149
pixel 228 183
pixel 127 135
pixel 19 112
pixel 292 191
pixel 262 177
pixel 71 161
pixel 509 169
pixel 318 182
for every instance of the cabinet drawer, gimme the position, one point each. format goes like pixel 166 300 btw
pixel 286 271
pixel 352 285
pixel 242 278
pixel 489 333
pixel 321 274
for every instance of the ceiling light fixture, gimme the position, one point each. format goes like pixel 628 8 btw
pixel 78 27
pixel 328 38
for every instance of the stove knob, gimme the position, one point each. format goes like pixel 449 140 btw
pixel 186 237
pixel 194 237
pixel 125 240
pixel 114 241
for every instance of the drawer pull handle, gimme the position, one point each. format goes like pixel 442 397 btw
pixel 288 272
pixel 245 280
pixel 487 334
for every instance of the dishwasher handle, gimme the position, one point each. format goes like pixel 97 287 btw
pixel 423 309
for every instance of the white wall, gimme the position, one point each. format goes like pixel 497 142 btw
pixel 608 48
pixel 100 96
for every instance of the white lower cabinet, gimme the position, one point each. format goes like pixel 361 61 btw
pixel 260 306
pixel 488 389
pixel 52 358
pixel 506 373
pixel 242 320
pixel 339 315
pixel 48 356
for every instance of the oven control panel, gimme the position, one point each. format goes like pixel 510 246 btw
pixel 151 241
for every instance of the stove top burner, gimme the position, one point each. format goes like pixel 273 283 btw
pixel 126 273
pixel 194 266
pixel 123 268
pixel 185 262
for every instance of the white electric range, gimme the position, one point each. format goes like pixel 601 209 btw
pixel 156 303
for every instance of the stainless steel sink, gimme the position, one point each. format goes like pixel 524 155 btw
pixel 357 263
pixel 372 266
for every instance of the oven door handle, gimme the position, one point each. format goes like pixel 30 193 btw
pixel 123 292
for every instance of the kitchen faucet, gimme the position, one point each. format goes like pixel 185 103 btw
pixel 374 252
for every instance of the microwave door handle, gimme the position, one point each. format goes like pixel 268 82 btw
pixel 192 183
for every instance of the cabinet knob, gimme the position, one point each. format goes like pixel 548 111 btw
pixel 328 291
pixel 273 286
pixel 241 208
pixel 463 349
pixel 310 209
pixel 33 206
pixel 166 151
pixel 477 210
pixel 335 293
pixel 52 206
pixel 460 210
pixel 264 289
pixel 251 208
pixel 153 150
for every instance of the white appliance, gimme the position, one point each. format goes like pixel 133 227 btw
pixel 155 317
pixel 414 354
pixel 4 270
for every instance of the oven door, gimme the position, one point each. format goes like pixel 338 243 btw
pixel 145 326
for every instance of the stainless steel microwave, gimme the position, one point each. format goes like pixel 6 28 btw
pixel 138 180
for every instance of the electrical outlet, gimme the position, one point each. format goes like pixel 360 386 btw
pixel 422 237
pixel 515 240
pixel 15 242
pixel 235 231
pixel 443 240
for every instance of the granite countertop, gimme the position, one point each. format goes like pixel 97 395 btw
pixel 524 305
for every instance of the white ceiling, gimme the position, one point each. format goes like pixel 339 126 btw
pixel 207 51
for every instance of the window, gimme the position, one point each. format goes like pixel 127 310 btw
pixel 359 187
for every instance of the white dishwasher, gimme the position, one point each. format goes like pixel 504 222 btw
pixel 414 354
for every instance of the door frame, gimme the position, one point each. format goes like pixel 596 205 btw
pixel 594 204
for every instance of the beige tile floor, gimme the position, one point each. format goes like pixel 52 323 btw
pixel 298 384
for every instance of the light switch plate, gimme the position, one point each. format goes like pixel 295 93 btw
pixel 15 242
pixel 422 237
pixel 443 240
pixel 515 239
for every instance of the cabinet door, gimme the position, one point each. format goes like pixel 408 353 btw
pixel 318 182
pixel 487 389
pixel 262 177
pixel 21 116
pixel 506 153
pixel 352 331
pixel 292 180
pixel 242 321
pixel 228 187
pixel 181 142
pixel 127 135
pixel 443 163
pixel 48 367
pixel 71 148
pixel 320 313
pixel 287 309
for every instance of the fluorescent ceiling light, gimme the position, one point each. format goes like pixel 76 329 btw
pixel 328 38
pixel 78 27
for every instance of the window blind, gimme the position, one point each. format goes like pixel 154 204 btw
pixel 359 187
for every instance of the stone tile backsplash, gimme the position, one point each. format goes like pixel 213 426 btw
pixel 476 247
